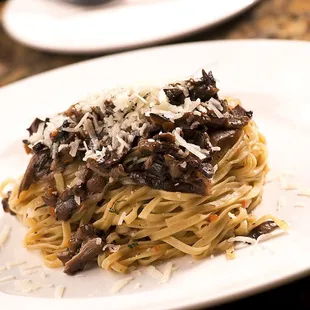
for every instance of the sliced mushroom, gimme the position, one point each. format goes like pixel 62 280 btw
pixel 89 250
pixel 262 229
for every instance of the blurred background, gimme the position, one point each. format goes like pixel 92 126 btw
pixel 36 22
pixel 273 19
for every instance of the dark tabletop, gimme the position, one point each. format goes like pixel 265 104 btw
pixel 281 19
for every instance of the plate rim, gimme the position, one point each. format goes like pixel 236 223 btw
pixel 151 49
pixel 217 301
pixel 279 280
pixel 11 31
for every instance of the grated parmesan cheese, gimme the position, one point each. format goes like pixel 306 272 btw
pixel 6 278
pixel 215 148
pixel 26 286
pixel 167 272
pixel 77 199
pixel 112 247
pixel 31 266
pixel 299 205
pixel 303 192
pixel 202 109
pixel 213 108
pixel 4 235
pixel 54 150
pixel 37 136
pixel 98 241
pixel 28 272
pixel 59 291
pixel 184 164
pixel 80 123
pixel 120 284
pixel 216 104
pixel 154 273
pixel 242 239
pixel 74 146
pixel 215 168
pixel 11 264
pixel 88 126
pixel 193 148
pixel 123 116
pixel 194 125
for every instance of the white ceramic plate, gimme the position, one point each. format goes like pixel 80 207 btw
pixel 55 25
pixel 257 72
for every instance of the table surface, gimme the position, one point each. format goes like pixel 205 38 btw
pixel 281 19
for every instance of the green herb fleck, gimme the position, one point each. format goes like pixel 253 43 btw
pixel 113 210
pixel 115 205
pixel 131 246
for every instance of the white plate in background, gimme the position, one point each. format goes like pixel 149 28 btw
pixel 259 74
pixel 56 25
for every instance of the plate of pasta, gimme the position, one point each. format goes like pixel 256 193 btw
pixel 185 181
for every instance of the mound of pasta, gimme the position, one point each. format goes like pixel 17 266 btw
pixel 135 175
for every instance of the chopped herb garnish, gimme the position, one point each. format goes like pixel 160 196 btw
pixel 115 205
pixel 113 210
pixel 131 246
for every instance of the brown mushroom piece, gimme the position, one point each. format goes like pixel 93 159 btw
pixel 165 137
pixel 65 256
pixel 146 147
pixel 262 229
pixel 5 204
pixel 38 167
pixel 50 198
pixel 224 138
pixel 84 246
pixel 97 168
pixel 96 184
pixel 65 208
pixel 173 166
pixel 199 185
pixel 175 96
pixel 162 122
pixel 149 162
pixel 118 172
pixel 33 128
pixel 238 118
pixel 207 170
pixel 204 88
pixel 89 250
pixel 154 177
